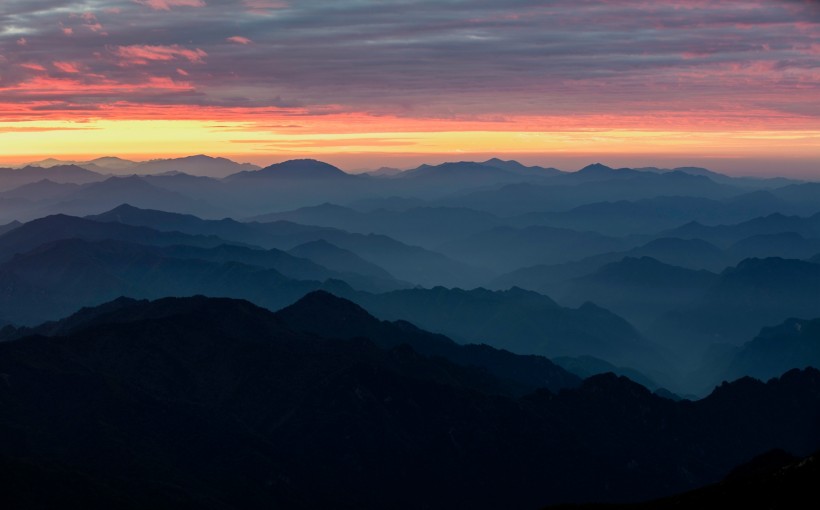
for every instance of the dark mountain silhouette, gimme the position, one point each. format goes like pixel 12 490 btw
pixel 60 226
pixel 215 403
pixel 345 320
pixel 199 165
pixel 775 479
pixel 57 278
pixel 362 274
pixel 599 171
pixel 294 169
pixel 228 229
pixel 640 289
pixel 517 320
pixel 11 178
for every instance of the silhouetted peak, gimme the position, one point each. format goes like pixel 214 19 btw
pixel 202 157
pixel 58 219
pixel 319 299
pixel 300 168
pixel 219 309
pixel 228 314
pixel 737 389
pixel 327 308
pixel 124 208
pixel 596 168
pixel 129 211
pixel 509 164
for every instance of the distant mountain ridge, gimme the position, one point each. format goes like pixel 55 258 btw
pixel 294 169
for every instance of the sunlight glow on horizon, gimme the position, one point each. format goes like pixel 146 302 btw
pixel 22 142
pixel 373 83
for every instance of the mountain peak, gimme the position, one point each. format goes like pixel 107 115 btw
pixel 295 169
pixel 337 314
pixel 596 168
pixel 304 167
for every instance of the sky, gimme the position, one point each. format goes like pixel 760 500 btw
pixel 734 85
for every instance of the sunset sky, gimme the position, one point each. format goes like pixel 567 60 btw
pixel 734 85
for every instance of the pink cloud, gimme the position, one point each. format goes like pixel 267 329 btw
pixel 33 67
pixel 91 22
pixel 165 5
pixel 263 6
pixel 141 54
pixel 65 88
pixel 22 41
pixel 182 72
pixel 238 39
pixel 68 31
pixel 66 67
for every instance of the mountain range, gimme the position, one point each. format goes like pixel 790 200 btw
pixel 215 403
pixel 200 333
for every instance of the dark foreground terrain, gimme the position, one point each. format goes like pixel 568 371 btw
pixel 216 403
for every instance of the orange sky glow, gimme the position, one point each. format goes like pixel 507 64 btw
pixel 732 84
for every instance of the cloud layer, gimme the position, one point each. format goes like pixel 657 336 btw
pixel 516 64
